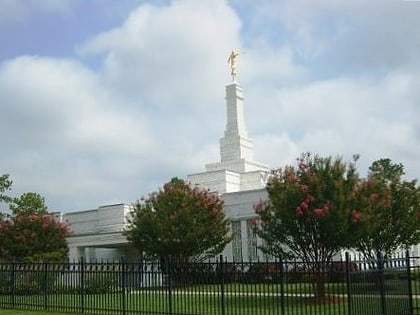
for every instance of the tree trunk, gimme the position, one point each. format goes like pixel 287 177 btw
pixel 319 286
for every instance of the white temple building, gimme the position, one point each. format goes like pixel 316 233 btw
pixel 98 233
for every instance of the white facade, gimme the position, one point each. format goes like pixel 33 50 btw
pixel 98 233
pixel 238 207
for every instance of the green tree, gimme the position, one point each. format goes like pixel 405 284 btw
pixel 28 203
pixel 5 185
pixel 306 215
pixel 179 221
pixel 30 233
pixel 386 211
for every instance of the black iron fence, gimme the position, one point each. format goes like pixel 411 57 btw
pixel 382 286
pixel 169 287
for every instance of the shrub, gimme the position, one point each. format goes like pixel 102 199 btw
pixel 337 270
pixel 100 282
pixel 263 272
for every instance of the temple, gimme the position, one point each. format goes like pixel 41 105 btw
pixel 237 177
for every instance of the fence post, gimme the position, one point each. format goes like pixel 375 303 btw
pixel 282 304
pixel 222 285
pixel 13 281
pixel 45 284
pixel 168 267
pixel 82 284
pixel 381 264
pixel 410 291
pixel 348 280
pixel 123 284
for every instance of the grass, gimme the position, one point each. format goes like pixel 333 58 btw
pixel 243 299
pixel 244 303
pixel 21 312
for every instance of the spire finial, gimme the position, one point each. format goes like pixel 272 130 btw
pixel 232 62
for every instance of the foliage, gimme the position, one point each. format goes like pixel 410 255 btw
pixel 386 211
pixel 5 185
pixel 99 283
pixel 28 203
pixel 306 215
pixel 179 221
pixel 33 237
pixel 30 233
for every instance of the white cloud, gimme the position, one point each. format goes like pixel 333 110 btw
pixel 117 133
pixel 68 133
pixel 169 55
pixel 155 108
pixel 374 117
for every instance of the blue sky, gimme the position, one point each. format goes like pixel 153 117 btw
pixel 103 101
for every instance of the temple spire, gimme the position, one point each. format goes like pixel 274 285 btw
pixel 236 170
pixel 235 145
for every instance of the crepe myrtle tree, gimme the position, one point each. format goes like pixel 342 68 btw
pixel 306 215
pixel 33 237
pixel 179 221
pixel 386 211
pixel 29 233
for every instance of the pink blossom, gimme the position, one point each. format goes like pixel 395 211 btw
pixel 255 222
pixel 355 216
pixel 327 207
pixel 298 212
pixel 320 213
pixel 304 188
pixel 310 198
pixel 302 166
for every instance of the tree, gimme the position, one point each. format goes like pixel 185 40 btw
pixel 30 233
pixel 28 203
pixel 179 221
pixel 5 184
pixel 306 215
pixel 386 211
pixel 33 237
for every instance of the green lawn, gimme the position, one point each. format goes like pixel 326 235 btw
pixel 244 303
pixel 243 299
pixel 18 312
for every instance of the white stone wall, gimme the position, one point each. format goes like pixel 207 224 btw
pixel 220 181
pixel 83 222
pixel 112 218
pixel 238 207
pixel 235 147
pixel 99 233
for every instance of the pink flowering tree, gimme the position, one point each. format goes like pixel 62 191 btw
pixel 179 221
pixel 307 212
pixel 30 233
pixel 386 211
pixel 33 237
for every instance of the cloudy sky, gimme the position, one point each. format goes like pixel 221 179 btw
pixel 102 101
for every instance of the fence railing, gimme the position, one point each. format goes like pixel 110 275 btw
pixel 171 287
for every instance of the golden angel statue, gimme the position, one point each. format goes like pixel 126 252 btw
pixel 232 62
